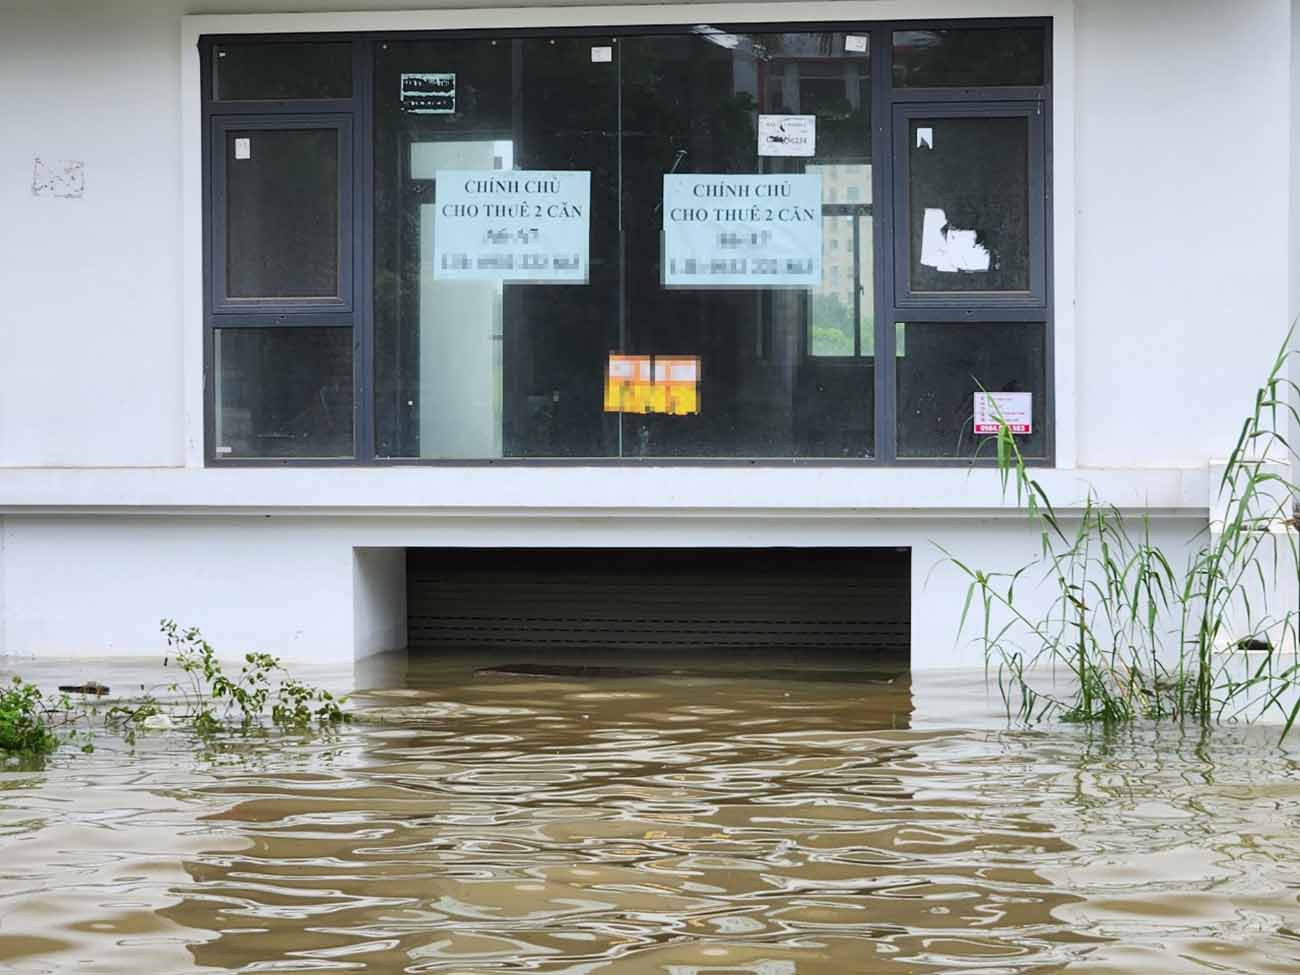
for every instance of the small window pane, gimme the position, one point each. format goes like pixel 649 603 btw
pixel 257 72
pixel 969 192
pixel 283 392
pixel 969 58
pixel 940 369
pixel 282 191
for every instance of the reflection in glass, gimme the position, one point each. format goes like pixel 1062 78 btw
pixel 258 72
pixel 969 203
pixel 969 57
pixel 523 370
pixel 484 368
pixel 841 313
pixel 943 366
pixel 282 213
pixel 283 392
pixel 690 107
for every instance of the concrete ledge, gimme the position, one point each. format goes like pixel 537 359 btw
pixel 612 491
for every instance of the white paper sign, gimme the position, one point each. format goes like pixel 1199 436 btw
pixel 1016 410
pixel 429 94
pixel 855 43
pixel 947 249
pixel 787 135
pixel 602 55
pixel 507 225
pixel 243 148
pixel 728 231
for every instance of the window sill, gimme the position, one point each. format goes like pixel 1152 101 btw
pixel 578 491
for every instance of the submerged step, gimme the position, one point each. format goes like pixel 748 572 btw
pixel 617 673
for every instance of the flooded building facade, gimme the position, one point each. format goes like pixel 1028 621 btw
pixel 326 327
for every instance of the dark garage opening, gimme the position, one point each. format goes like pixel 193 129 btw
pixel 845 609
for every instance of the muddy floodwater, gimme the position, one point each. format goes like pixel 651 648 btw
pixel 658 824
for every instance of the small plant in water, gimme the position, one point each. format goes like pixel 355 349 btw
pixel 24 725
pixel 211 701
pixel 1139 638
pixel 207 701
pixel 30 721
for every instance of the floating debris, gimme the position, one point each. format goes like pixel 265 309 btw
pixel 90 687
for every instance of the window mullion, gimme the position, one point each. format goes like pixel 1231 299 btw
pixel 882 200
pixel 363 249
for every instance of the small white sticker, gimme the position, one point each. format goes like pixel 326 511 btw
pixel 424 93
pixel 225 450
pixel 855 44
pixel 1015 409
pixel 925 138
pixel 787 135
pixel 602 55
pixel 243 148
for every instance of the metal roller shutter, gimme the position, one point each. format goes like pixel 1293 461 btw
pixel 850 600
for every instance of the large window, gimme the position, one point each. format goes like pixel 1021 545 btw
pixel 821 243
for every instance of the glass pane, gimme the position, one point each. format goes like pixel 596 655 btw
pixel 477 355
pixel 282 213
pixel 969 191
pixel 283 392
pixel 941 367
pixel 767 335
pixel 969 57
pixel 475 358
pixel 842 314
pixel 256 72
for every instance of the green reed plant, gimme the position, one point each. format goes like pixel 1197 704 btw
pixel 1139 637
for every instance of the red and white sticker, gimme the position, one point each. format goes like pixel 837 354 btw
pixel 1016 410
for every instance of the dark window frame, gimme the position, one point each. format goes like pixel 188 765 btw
pixel 971 305
pixel 345 297
pixel 886 103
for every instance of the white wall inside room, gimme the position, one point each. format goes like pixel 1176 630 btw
pixel 460 324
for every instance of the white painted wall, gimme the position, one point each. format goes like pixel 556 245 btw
pixel 378 601
pixel 1183 248
pixel 90 342
pixel 1293 251
pixel 1177 146
pixel 320 588
pixel 98 586
pixel 1174 283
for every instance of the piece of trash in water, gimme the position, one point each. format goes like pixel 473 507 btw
pixel 90 687
pixel 159 722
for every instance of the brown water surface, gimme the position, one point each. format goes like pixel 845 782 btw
pixel 659 824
